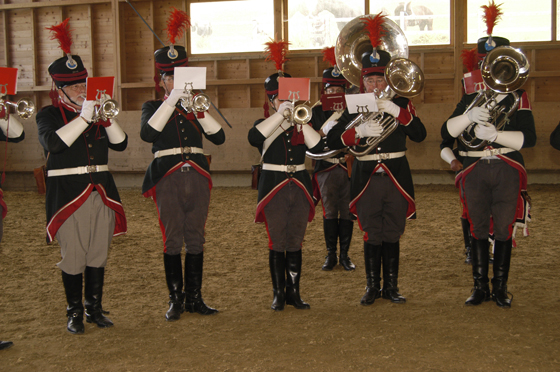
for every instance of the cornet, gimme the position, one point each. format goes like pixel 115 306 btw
pixel 107 109
pixel 192 103
pixel 24 107
pixel 300 114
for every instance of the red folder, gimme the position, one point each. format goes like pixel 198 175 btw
pixel 333 102
pixel 97 85
pixel 293 89
pixel 473 83
pixel 8 81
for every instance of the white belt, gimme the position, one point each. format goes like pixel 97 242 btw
pixel 78 170
pixel 283 168
pixel 383 156
pixel 178 151
pixel 334 160
pixel 487 152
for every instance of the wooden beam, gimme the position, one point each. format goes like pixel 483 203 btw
pixel 118 96
pixel 48 4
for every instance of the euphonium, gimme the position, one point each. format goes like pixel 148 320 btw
pixel 504 70
pixel 24 107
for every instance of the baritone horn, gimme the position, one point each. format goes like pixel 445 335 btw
pixel 504 70
pixel 25 108
pixel 404 77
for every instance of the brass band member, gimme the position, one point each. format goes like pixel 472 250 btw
pixel 285 201
pixel 493 178
pixel 178 179
pixel 382 188
pixel 330 176
pixel 84 210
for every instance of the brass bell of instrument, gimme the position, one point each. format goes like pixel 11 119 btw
pixel 25 108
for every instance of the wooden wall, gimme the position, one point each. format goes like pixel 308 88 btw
pixel 113 41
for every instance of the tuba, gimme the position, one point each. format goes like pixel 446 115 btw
pixel 404 77
pixel 24 107
pixel 504 70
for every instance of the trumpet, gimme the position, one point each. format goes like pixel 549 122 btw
pixel 300 114
pixel 194 103
pixel 107 109
pixel 24 107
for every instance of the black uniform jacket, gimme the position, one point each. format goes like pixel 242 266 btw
pixel 281 152
pixel 398 169
pixel 178 132
pixel 65 194
pixel 555 138
pixel 522 120
pixel 318 118
pixel 3 138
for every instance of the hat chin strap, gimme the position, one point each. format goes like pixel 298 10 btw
pixel 70 99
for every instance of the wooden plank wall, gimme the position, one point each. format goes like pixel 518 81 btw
pixel 114 41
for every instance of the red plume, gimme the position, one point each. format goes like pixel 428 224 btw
pixel 470 59
pixel 277 51
pixel 492 13
pixel 177 24
pixel 374 29
pixel 61 32
pixel 328 55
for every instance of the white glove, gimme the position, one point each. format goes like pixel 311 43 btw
pixel 447 155
pixel 479 115
pixel 15 130
pixel 512 139
pixel 209 124
pixel 71 131
pixel 88 108
pixel 310 136
pixel 326 129
pixel 161 116
pixel 174 97
pixel 286 105
pixel 115 132
pixel 388 107
pixel 486 132
pixel 369 129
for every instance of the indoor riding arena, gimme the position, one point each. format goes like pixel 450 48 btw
pixel 433 331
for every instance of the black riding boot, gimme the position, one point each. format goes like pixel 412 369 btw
pixel 502 258
pixel 345 229
pixel 193 285
pixel 390 252
pixel 6 344
pixel 75 309
pixel 372 259
pixel 293 275
pixel 467 238
pixel 93 293
pixel 174 278
pixel 330 228
pixel 277 263
pixel 481 291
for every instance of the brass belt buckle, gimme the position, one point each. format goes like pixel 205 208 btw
pixel 291 168
pixel 91 168
pixel 187 150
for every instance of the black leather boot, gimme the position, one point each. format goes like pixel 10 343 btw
pixel 467 238
pixel 193 285
pixel 6 344
pixel 174 278
pixel 75 309
pixel 293 275
pixel 480 291
pixel 390 253
pixel 330 228
pixel 502 259
pixel 372 260
pixel 93 294
pixel 277 263
pixel 345 229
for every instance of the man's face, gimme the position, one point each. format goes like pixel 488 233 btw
pixel 374 83
pixel 75 94
pixel 166 83
pixel 333 89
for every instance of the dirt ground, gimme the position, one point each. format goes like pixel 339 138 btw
pixel 433 331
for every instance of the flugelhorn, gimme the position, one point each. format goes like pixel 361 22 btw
pixel 504 70
pixel 194 103
pixel 106 109
pixel 24 107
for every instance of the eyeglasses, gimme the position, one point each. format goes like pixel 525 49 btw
pixel 168 78
pixel 76 87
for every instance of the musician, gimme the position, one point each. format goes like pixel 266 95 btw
pixel 331 182
pixel 382 188
pixel 285 202
pixel 84 210
pixel 179 182
pixel 555 138
pixel 493 179
pixel 11 130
